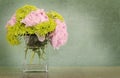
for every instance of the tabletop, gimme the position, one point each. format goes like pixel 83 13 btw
pixel 64 72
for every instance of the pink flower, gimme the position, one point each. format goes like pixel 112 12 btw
pixel 41 38
pixel 35 17
pixel 12 21
pixel 60 35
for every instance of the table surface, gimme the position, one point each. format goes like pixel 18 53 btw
pixel 64 72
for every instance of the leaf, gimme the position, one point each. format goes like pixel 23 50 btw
pixel 38 53
pixel 32 57
pixel 26 52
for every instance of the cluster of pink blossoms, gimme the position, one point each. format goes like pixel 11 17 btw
pixel 57 37
pixel 12 21
pixel 35 17
pixel 60 35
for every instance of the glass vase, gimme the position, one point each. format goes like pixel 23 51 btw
pixel 36 60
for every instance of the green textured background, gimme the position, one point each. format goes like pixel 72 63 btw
pixel 93 27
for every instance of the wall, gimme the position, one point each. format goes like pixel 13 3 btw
pixel 93 27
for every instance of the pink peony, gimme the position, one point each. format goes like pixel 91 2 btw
pixel 59 36
pixel 12 21
pixel 35 17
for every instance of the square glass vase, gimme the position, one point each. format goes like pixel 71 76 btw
pixel 35 55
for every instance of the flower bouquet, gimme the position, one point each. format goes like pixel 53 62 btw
pixel 37 28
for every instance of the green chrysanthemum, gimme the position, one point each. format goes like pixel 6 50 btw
pixel 55 15
pixel 44 28
pixel 12 37
pixel 23 11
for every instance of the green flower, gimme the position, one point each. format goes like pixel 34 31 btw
pixel 55 15
pixel 23 11
pixel 44 28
